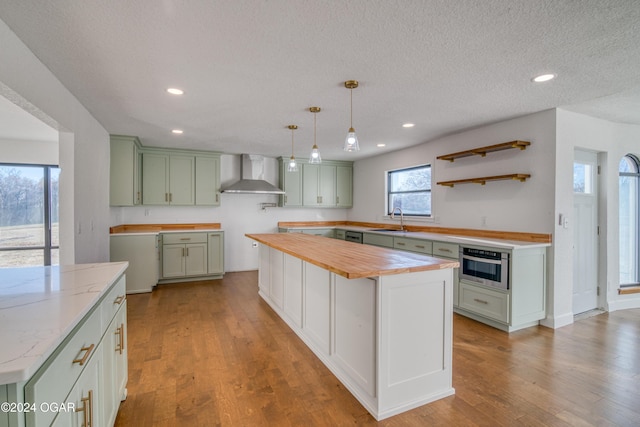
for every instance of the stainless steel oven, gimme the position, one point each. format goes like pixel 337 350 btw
pixel 485 266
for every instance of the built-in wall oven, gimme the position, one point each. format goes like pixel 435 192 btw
pixel 484 266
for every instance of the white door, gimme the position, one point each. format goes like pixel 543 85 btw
pixel 585 237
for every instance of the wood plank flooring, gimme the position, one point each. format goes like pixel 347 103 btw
pixel 212 353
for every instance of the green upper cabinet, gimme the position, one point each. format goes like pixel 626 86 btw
pixel 124 186
pixel 329 184
pixel 168 179
pixel 162 176
pixel 207 181
pixel 291 183
pixel 344 186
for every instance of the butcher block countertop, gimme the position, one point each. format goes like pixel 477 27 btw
pixel 348 259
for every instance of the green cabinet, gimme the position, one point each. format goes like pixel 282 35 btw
pixel 184 254
pixel 158 176
pixel 168 179
pixel 124 168
pixel 327 185
pixel 292 184
pixel 207 181
pixel 215 243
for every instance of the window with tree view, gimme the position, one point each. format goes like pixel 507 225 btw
pixel 28 215
pixel 410 190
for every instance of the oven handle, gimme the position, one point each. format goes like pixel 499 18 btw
pixel 486 260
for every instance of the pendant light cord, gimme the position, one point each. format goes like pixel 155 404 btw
pixel 351 92
pixel 292 142
pixel 314 129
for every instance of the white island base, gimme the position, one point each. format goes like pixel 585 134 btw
pixel 387 338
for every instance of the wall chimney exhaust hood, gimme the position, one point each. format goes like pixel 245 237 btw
pixel 252 178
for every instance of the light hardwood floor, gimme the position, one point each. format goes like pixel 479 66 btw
pixel 213 353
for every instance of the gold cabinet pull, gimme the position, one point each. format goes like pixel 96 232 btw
pixel 87 409
pixel 87 352
pixel 217 200
pixel 166 197
pixel 119 299
pixel 170 197
pixel 444 250
pixel 480 301
pixel 420 246
pixel 185 238
pixel 120 333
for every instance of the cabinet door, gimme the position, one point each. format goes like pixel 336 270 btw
pixel 155 179
pixel 173 264
pixel 124 187
pixel 310 185
pixel 216 253
pixel 87 397
pixel 196 259
pixel 181 180
pixel 114 365
pixel 292 185
pixel 327 187
pixel 207 181
pixel 344 186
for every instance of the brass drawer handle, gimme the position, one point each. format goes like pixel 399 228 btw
pixel 87 351
pixel 400 244
pixel 481 301
pixel 87 409
pixel 120 332
pixel 419 246
pixel 444 250
pixel 185 238
pixel 119 299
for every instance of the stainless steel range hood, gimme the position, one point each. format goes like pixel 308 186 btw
pixel 252 178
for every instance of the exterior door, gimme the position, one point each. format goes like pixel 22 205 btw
pixel 585 238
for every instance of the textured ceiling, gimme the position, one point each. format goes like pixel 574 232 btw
pixel 249 68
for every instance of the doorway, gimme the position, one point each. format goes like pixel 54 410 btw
pixel 585 237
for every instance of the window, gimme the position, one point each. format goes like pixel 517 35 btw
pixel 582 178
pixel 28 215
pixel 629 192
pixel 410 190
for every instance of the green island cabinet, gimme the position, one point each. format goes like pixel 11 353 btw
pixel 329 184
pixel 87 372
pixel 124 183
pixel 192 256
pixel 157 176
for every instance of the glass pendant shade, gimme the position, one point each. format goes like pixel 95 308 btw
pixel 314 157
pixel 292 166
pixel 351 141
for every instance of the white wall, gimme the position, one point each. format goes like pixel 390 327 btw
pixel 504 205
pixel 238 214
pixel 83 152
pixel 30 152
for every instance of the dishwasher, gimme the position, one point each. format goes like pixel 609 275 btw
pixel 353 236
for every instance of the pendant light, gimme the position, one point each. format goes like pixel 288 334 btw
pixel 314 157
pixel 292 166
pixel 351 141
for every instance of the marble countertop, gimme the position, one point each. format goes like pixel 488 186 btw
pixel 40 306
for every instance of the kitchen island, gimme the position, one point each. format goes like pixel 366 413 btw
pixel 379 319
pixel 63 357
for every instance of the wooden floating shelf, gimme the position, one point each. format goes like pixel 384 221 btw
pixel 522 177
pixel 482 151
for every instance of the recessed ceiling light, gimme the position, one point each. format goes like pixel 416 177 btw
pixel 175 91
pixel 381 145
pixel 408 125
pixel 544 78
pixel 177 131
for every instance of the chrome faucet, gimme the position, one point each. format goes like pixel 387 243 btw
pixel 393 216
